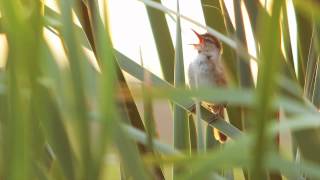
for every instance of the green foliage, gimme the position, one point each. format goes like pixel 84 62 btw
pixel 74 122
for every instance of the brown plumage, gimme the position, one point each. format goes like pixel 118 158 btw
pixel 206 70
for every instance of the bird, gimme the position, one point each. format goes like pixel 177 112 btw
pixel 207 70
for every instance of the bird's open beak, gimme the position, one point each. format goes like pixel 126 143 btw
pixel 199 36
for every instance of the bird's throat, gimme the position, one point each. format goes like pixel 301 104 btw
pixel 205 57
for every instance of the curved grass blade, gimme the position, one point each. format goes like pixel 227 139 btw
pixel 205 163
pixel 298 123
pixel 140 136
pixel 217 34
pixel 235 97
pixel 134 69
pixel 166 149
pixel 292 170
pixel 228 157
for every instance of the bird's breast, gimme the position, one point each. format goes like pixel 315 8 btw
pixel 202 73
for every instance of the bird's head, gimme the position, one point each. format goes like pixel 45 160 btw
pixel 208 45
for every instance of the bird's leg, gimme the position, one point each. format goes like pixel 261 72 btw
pixel 192 108
pixel 212 118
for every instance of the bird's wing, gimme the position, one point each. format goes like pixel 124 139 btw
pixel 220 80
pixel 220 76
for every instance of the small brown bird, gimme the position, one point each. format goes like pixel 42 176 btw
pixel 206 70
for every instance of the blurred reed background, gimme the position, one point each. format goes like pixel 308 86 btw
pixel 78 102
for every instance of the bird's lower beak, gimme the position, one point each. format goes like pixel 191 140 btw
pixel 193 44
pixel 196 46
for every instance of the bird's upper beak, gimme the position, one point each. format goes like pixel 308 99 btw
pixel 201 39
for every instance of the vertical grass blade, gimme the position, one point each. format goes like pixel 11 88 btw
pixel 266 86
pixel 200 138
pixel 80 115
pixel 311 66
pixel 149 120
pixel 316 91
pixel 180 124
pixel 253 8
pixel 129 104
pixel 287 41
pixel 55 132
pixel 234 113
pixel 109 114
pixel 51 117
pixel 245 79
pixel 163 42
pixel 3 120
pixel 181 127
pixel 307 140
pixel 84 18
pixel 193 133
pixel 245 75
pixel 147 106
pixel 181 134
pixel 21 136
pixel 304 27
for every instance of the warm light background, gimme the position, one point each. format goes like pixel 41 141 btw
pixel 131 31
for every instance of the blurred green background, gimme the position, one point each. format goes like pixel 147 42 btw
pixel 97 90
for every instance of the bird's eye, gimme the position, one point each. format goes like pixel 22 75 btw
pixel 208 41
